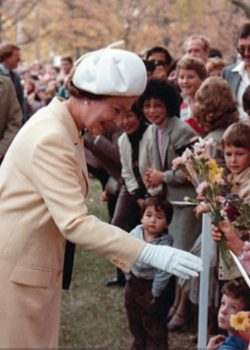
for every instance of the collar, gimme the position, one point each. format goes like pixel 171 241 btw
pixel 239 68
pixel 163 126
pixel 4 69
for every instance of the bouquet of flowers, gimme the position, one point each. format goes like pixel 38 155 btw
pixel 208 179
pixel 211 186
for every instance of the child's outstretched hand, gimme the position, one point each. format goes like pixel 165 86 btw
pixel 215 342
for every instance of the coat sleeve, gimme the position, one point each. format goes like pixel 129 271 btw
pixel 55 175
pixel 126 162
pixel 179 138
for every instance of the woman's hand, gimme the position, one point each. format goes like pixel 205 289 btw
pixel 232 239
pixel 153 177
pixel 216 234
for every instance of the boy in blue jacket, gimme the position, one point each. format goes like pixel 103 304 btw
pixel 235 298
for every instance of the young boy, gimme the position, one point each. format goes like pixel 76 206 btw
pixel 236 148
pixel 235 298
pixel 146 297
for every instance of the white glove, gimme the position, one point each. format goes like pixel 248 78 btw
pixel 172 260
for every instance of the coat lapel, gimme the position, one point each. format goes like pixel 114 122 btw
pixel 76 138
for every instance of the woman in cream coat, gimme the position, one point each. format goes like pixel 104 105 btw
pixel 43 184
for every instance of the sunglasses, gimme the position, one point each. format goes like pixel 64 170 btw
pixel 152 64
pixel 243 50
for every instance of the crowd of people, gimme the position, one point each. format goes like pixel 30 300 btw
pixel 194 96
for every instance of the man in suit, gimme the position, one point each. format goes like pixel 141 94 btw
pixel 238 74
pixel 10 114
pixel 9 60
pixel 43 184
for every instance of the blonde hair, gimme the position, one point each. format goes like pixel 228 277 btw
pixel 214 104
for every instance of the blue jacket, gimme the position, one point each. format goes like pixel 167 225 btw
pixel 141 270
pixel 233 343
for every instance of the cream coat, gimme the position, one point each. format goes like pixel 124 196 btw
pixel 43 184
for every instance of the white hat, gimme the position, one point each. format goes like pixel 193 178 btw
pixel 112 72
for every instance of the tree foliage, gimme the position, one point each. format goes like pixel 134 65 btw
pixel 71 27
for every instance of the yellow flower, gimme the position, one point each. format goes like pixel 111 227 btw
pixel 215 172
pixel 240 321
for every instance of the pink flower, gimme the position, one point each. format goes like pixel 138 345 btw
pixel 201 187
pixel 177 162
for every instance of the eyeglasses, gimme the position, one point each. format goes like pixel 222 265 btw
pixel 243 50
pixel 152 64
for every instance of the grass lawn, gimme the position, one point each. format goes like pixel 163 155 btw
pixel 93 316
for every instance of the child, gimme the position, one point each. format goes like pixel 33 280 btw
pixel 235 298
pixel 191 73
pixel 146 298
pixel 214 66
pixel 236 146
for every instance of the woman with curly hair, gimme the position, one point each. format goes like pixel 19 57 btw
pixel 215 108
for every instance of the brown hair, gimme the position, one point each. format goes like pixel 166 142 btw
pixel 6 50
pixel 244 31
pixel 214 63
pixel 238 289
pixel 159 203
pixel 215 105
pixel 193 63
pixel 238 135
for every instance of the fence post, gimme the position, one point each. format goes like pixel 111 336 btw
pixel 204 282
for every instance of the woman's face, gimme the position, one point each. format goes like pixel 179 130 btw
pixel 189 81
pixel 155 111
pixel 99 116
pixel 129 123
